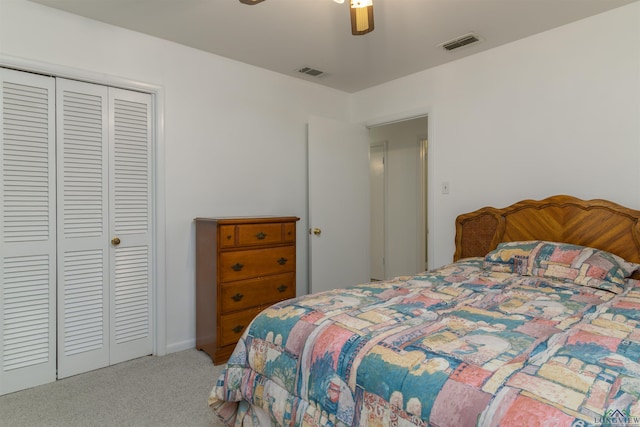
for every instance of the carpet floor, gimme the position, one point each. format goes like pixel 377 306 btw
pixel 167 391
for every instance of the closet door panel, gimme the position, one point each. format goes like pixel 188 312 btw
pixel 130 216
pixel 27 234
pixel 83 238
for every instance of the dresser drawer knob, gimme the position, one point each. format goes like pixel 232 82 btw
pixel 237 266
pixel 237 297
pixel 260 236
pixel 282 288
pixel 238 328
pixel 282 261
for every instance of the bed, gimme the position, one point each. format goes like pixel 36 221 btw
pixel 535 323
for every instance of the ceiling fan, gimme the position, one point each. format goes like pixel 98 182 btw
pixel 361 15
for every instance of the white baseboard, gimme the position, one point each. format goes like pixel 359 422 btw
pixel 180 346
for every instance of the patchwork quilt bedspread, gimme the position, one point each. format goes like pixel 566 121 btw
pixel 457 346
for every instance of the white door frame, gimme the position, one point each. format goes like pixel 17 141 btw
pixel 382 146
pixel 158 173
pixel 422 196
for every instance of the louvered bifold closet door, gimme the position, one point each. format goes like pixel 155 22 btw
pixel 83 235
pixel 130 217
pixel 27 234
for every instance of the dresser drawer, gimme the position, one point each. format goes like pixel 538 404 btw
pixel 259 234
pixel 290 232
pixel 233 325
pixel 254 292
pixel 239 265
pixel 256 234
pixel 227 236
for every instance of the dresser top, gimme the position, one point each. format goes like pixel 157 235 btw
pixel 250 219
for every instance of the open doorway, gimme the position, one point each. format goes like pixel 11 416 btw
pixel 398 170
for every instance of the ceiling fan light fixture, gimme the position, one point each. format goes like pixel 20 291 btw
pixel 361 17
pixel 250 2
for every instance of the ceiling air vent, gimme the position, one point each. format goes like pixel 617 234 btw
pixel 459 42
pixel 311 72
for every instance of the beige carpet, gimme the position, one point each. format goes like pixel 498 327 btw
pixel 170 390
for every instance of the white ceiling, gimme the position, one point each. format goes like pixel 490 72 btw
pixel 285 35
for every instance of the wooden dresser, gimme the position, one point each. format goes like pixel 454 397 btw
pixel 243 265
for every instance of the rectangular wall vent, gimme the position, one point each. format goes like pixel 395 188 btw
pixel 460 42
pixel 311 72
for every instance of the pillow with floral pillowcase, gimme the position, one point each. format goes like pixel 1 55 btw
pixel 510 257
pixel 578 264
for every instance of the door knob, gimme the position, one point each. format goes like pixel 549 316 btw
pixel 115 241
pixel 315 231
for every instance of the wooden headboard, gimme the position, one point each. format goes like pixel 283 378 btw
pixel 595 223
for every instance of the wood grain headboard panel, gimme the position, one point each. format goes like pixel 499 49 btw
pixel 595 223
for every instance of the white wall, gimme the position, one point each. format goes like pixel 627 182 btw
pixel 555 113
pixel 234 135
